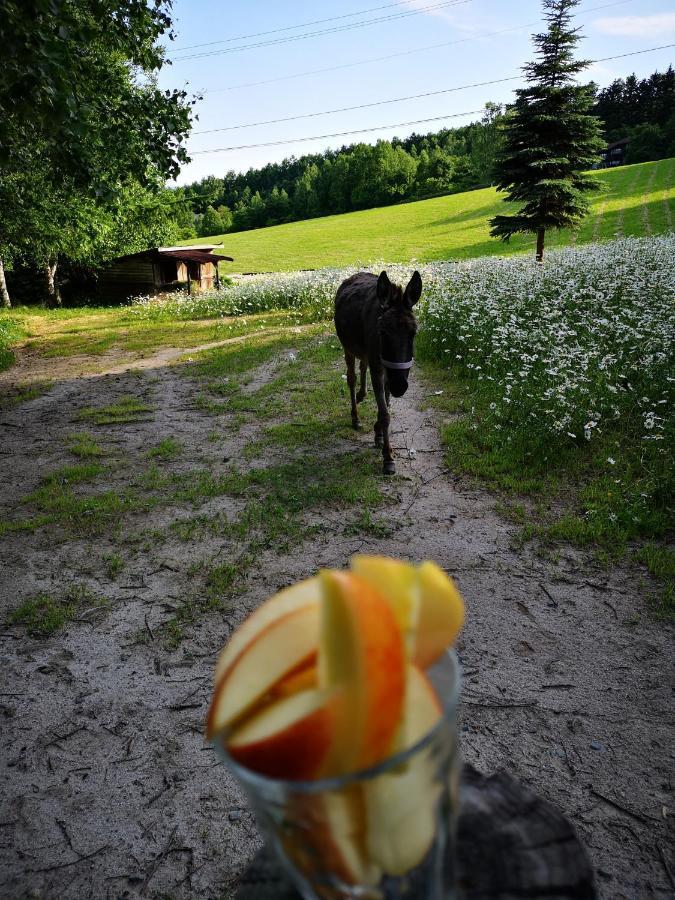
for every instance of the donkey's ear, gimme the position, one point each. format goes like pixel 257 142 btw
pixel 383 286
pixel 414 290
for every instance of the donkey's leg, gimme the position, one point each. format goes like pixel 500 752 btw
pixel 363 364
pixel 382 425
pixel 351 381
pixel 387 394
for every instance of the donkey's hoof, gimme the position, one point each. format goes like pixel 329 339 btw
pixel 360 396
pixel 388 467
pixel 356 425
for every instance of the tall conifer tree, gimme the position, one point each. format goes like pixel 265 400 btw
pixel 550 136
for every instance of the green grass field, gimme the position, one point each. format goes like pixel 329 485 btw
pixel 637 200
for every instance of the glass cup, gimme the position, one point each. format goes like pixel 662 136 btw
pixel 384 832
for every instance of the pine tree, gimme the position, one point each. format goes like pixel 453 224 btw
pixel 550 136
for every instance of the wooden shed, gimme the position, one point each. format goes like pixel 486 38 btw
pixel 161 269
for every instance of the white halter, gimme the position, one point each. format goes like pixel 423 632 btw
pixel 396 365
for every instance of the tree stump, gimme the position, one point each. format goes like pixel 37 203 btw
pixel 511 845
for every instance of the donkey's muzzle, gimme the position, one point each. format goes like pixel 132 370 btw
pixel 398 383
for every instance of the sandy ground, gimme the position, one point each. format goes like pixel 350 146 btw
pixel 107 787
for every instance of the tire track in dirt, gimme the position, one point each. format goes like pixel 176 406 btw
pixel 107 784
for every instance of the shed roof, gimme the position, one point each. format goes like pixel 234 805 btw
pixel 196 253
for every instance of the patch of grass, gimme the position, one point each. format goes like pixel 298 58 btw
pixel 451 227
pixel 114 563
pixel 660 562
pixel 366 523
pixel 84 446
pixel 45 614
pixel 17 525
pixel 22 393
pixel 126 410
pixel 167 449
pixel 10 332
pixel 56 502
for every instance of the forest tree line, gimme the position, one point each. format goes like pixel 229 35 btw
pixel 362 176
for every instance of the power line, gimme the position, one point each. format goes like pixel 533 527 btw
pixel 461 87
pixel 373 59
pixel 337 29
pixel 244 37
pixel 327 112
pixel 319 137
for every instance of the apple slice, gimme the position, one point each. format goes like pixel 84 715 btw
pixel 360 649
pixel 332 840
pixel 289 739
pixel 426 603
pixel 292 598
pixel 401 805
pixel 397 582
pixel 285 645
pixel 301 679
pixel 441 614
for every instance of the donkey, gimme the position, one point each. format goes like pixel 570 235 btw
pixel 375 322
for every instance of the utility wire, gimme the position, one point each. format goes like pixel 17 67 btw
pixel 245 37
pixel 373 59
pixel 318 137
pixel 335 30
pixel 403 124
pixel 327 112
pixel 461 87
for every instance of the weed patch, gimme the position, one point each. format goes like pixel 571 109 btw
pixel 126 410
pixel 45 614
pixel 84 446
pixel 167 449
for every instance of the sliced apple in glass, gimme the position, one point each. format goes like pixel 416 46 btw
pixel 300 679
pixel 332 839
pixel 397 582
pixel 360 650
pixel 290 738
pixel 427 605
pixel 297 596
pixel 441 614
pixel 285 645
pixel 400 806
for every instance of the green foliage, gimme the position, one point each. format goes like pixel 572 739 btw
pixel 69 81
pixel 631 102
pixel 85 129
pixel 550 136
pixel 10 332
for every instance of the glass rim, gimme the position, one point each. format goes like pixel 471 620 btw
pixel 339 782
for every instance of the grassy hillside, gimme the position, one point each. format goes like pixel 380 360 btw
pixel 636 200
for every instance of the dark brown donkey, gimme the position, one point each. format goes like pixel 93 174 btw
pixel 375 322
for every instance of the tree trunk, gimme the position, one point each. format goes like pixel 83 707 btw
pixel 540 244
pixel 53 292
pixel 4 293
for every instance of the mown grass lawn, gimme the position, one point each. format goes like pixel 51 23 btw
pixel 636 200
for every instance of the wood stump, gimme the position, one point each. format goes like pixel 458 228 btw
pixel 511 845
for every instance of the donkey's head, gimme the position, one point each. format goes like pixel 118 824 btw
pixel 398 327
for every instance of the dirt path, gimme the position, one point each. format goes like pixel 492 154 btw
pixel 107 787
pixel 31 366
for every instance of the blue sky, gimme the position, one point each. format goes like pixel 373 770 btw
pixel 467 54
